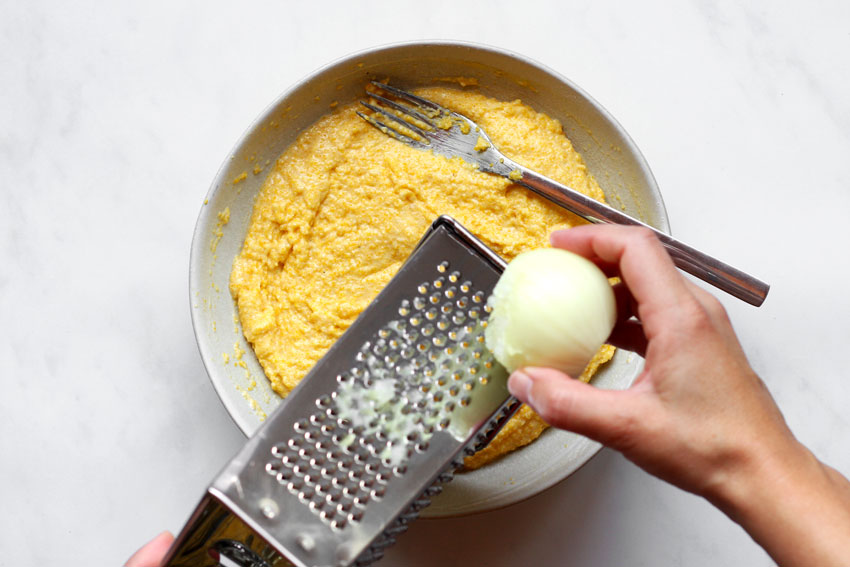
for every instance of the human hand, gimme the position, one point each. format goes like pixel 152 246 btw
pixel 698 408
pixel 152 553
pixel 697 416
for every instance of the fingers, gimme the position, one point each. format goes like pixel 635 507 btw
pixel 644 266
pixel 152 553
pixel 573 405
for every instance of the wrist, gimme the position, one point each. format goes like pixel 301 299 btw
pixel 751 474
pixel 790 503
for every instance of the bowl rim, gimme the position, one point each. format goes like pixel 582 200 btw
pixel 197 242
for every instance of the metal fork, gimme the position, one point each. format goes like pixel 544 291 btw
pixel 426 125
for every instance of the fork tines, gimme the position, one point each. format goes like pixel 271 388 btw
pixel 410 123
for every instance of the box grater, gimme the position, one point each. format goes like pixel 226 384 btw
pixel 375 428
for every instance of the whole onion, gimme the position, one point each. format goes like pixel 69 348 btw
pixel 550 308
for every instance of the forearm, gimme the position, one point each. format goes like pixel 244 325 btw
pixel 794 506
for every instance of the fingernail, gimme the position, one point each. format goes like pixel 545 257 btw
pixel 519 385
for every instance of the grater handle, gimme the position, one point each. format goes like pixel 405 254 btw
pixel 216 537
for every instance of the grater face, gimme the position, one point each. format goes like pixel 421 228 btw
pixel 355 450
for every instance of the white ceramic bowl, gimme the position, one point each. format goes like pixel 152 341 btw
pixel 607 150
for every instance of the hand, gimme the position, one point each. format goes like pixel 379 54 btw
pixel 698 416
pixel 152 553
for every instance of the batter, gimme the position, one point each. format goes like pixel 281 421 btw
pixel 344 207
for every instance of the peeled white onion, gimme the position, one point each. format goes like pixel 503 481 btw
pixel 551 308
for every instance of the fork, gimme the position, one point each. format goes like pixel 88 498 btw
pixel 426 125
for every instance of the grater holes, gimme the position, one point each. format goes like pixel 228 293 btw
pixel 434 358
pixel 279 450
pixel 324 402
pixel 380 348
pixel 408 352
pixel 332 499
pixel 274 467
pixel 344 465
pixel 343 378
pixel 391 359
pixel 443 266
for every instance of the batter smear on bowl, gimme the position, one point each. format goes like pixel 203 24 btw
pixel 345 205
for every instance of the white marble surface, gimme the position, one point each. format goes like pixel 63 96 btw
pixel 114 117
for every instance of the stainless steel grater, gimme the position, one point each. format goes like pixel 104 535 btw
pixel 372 432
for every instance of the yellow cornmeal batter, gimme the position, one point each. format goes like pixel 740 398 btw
pixel 344 207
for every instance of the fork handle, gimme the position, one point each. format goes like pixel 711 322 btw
pixel 707 268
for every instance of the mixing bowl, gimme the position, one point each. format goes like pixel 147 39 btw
pixel 609 154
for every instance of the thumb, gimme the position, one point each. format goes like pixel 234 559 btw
pixel 565 403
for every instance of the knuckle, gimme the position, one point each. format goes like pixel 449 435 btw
pixel 715 308
pixel 644 234
pixel 696 317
